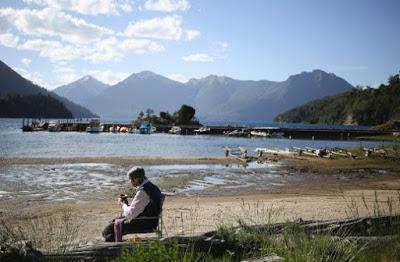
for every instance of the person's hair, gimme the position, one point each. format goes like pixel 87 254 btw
pixel 141 180
pixel 136 173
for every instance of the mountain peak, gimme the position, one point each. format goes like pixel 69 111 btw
pixel 315 75
pixel 211 79
pixel 146 75
pixel 81 89
pixel 88 79
pixel 217 78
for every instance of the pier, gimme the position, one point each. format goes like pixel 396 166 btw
pixel 80 125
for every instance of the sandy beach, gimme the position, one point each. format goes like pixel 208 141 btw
pixel 315 189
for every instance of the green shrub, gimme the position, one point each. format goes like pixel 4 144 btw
pixel 151 251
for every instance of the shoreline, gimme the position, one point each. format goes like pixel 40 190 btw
pixel 325 191
pixel 118 160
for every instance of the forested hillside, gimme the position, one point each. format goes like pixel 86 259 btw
pixel 370 106
pixel 32 106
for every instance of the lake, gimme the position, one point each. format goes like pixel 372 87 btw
pixel 15 143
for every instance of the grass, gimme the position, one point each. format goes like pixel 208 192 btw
pixel 292 242
pixel 152 251
pixel 56 233
pixel 288 240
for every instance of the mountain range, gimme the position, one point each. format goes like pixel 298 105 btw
pixel 214 97
pixel 15 87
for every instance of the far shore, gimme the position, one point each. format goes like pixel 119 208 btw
pixel 123 161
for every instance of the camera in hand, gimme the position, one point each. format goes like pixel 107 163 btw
pixel 124 198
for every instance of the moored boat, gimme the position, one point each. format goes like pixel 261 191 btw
pixel 94 126
pixel 176 130
pixel 54 126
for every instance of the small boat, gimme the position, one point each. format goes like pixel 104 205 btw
pixel 113 129
pixel 176 130
pixel 259 133
pixel 202 130
pixel 317 152
pixel 124 129
pixel 54 126
pixel 238 133
pixel 145 128
pixel 286 152
pixel 94 126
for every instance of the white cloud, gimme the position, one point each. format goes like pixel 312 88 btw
pixel 222 50
pixel 9 40
pixel 87 7
pixel 108 76
pixel 140 46
pixel 53 50
pixel 109 49
pixel 167 5
pixel 198 57
pixel 178 77
pixel 113 49
pixel 34 77
pixel 26 61
pixel 51 22
pixel 191 34
pixel 168 27
pixel 65 74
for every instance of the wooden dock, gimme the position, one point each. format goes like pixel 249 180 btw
pixel 80 125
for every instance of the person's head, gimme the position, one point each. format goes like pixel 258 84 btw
pixel 136 176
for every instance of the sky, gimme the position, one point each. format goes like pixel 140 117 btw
pixel 55 42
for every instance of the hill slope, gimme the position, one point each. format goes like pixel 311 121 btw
pixel 32 106
pixel 13 83
pixel 359 107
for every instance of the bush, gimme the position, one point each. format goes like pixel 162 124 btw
pixel 151 251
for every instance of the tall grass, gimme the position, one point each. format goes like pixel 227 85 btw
pixel 293 244
pixel 386 248
pixel 289 240
pixel 56 233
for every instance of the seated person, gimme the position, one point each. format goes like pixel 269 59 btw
pixel 141 216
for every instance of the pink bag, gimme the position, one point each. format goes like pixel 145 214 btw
pixel 118 229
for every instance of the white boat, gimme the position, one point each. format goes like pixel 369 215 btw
pixel 259 133
pixel 94 126
pixel 124 129
pixel 202 130
pixel 176 130
pixel 269 151
pixel 54 126
pixel 239 133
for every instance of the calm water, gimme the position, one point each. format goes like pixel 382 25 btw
pixel 15 143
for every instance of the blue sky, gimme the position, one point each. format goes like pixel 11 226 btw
pixel 56 42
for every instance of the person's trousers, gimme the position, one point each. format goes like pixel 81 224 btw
pixel 138 225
